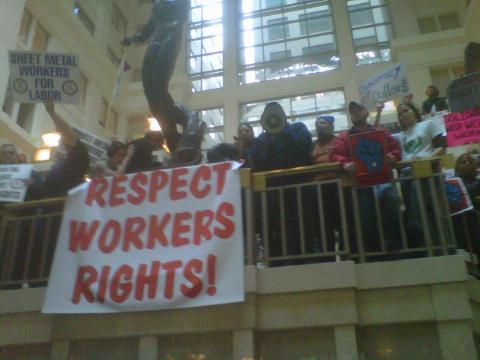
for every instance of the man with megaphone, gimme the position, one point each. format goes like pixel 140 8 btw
pixel 281 145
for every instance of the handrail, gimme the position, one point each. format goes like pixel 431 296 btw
pixel 34 203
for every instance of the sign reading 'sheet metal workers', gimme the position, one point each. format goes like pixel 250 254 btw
pixel 387 85
pixel 40 77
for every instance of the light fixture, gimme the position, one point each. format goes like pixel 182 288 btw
pixel 42 154
pixel 153 124
pixel 51 139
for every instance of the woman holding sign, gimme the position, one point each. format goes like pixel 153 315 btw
pixel 419 139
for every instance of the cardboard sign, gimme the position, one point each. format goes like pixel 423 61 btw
pixel 12 182
pixel 149 241
pixel 464 93
pixel 40 77
pixel 97 147
pixel 387 85
pixel 457 196
pixel 463 128
pixel 369 156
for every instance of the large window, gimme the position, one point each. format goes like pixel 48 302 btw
pixel 286 38
pixel 205 35
pixel 214 133
pixel 305 108
pixel 371 29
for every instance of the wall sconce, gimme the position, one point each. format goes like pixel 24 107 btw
pixel 42 155
pixel 51 139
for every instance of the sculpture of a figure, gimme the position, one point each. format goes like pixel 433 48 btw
pixel 165 29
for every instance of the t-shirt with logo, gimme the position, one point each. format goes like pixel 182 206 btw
pixel 416 142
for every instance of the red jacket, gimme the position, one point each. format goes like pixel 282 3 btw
pixel 341 148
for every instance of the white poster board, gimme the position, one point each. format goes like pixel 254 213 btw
pixel 155 240
pixel 384 86
pixel 97 147
pixel 39 77
pixel 12 182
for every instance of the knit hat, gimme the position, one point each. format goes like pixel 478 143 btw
pixel 328 118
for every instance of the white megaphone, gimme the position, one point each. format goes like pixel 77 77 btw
pixel 273 118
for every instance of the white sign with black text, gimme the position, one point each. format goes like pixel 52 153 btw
pixel 13 185
pixel 39 77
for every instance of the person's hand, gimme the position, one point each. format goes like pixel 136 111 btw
pixel 130 150
pixel 370 153
pixel 392 160
pixel 380 106
pixel 350 168
pixel 49 106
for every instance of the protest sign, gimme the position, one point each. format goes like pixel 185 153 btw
pixel 387 85
pixel 368 151
pixel 12 182
pixel 39 77
pixel 464 93
pixel 148 241
pixel 458 199
pixel 463 127
pixel 97 147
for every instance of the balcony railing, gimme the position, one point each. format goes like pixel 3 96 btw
pixel 291 217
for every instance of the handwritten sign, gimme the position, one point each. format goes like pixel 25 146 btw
pixel 151 240
pixel 464 93
pixel 387 85
pixel 38 77
pixel 458 199
pixel 97 147
pixel 12 182
pixel 463 127
pixel 368 150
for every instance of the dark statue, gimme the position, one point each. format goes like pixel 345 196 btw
pixel 165 29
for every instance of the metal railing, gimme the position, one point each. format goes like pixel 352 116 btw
pixel 302 215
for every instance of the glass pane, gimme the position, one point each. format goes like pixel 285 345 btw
pixel 251 38
pixel 195 65
pixel 303 104
pixel 212 117
pixel 252 55
pixel 212 44
pixel 212 62
pixel 361 18
pixel 214 82
pixel 195 47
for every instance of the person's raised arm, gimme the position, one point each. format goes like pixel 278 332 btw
pixel 69 137
pixel 378 116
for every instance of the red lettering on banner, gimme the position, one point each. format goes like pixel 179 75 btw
pixel 170 267
pixel 158 180
pixel 96 189
pixel 113 227
pixel 102 287
pixel 193 267
pixel 86 276
pixel 211 274
pixel 81 236
pixel 203 221
pixel 140 193
pixel 228 209
pixel 180 228
pixel 116 190
pixel 149 281
pixel 134 227
pixel 178 182
pixel 120 290
pixel 221 170
pixel 156 230
pixel 202 173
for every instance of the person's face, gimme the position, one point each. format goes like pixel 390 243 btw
pixel 323 127
pixel 359 115
pixel 406 116
pixel 118 157
pixel 157 142
pixel 408 98
pixel 430 92
pixel 465 166
pixel 245 133
pixel 9 155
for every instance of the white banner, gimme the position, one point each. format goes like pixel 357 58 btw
pixel 38 77
pixel 387 85
pixel 12 182
pixel 155 240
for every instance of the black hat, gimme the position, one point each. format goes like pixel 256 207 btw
pixel 353 107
